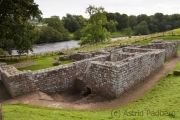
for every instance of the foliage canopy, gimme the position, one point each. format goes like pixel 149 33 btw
pixel 95 30
pixel 15 30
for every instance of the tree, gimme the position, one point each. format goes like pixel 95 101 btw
pixel 81 20
pixel 141 28
pixel 15 30
pixel 132 21
pixel 128 31
pixel 95 30
pixel 111 16
pixel 143 17
pixel 161 22
pixel 71 23
pixel 112 26
pixel 124 21
pixel 118 19
pixel 57 24
pixel 49 35
pixel 78 34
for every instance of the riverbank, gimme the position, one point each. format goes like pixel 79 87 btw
pixel 52 47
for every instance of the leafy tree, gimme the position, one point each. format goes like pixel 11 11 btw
pixel 70 23
pixel 159 17
pixel 128 31
pixel 162 25
pixel 112 26
pixel 15 30
pixel 95 30
pixel 49 35
pixel 168 27
pixel 2 52
pixel 57 24
pixel 153 25
pixel 161 22
pixel 143 17
pixel 124 21
pixel 141 28
pixel 81 20
pixel 78 34
pixel 111 16
pixel 132 21
pixel 174 21
pixel 118 19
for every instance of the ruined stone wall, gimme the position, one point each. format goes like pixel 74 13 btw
pixel 82 55
pixel 171 47
pixel 110 74
pixel 55 79
pixel 101 78
pixel 2 64
pixel 113 78
pixel 124 55
pixel 137 68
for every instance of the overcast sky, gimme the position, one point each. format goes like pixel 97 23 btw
pixel 129 7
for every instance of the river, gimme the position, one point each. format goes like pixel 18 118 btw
pixel 47 47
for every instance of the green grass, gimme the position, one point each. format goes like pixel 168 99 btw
pixel 163 97
pixel 42 63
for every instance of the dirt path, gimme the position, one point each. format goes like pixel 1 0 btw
pixel 134 93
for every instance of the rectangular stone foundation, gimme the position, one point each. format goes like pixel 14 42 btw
pixel 107 72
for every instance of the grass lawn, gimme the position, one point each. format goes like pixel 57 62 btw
pixel 42 62
pixel 162 102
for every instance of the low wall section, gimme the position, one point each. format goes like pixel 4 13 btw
pixel 171 47
pixel 55 79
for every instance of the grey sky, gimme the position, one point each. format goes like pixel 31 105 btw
pixel 129 7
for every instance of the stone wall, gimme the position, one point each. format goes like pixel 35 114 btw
pixel 2 64
pixel 113 78
pixel 171 47
pixel 108 73
pixel 51 80
pixel 83 55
